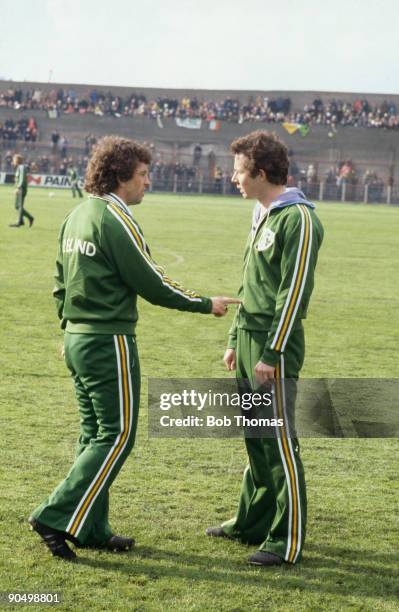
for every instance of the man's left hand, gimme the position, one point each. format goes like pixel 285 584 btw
pixel 264 372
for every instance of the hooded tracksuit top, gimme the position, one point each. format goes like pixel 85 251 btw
pixel 278 274
pixel 103 263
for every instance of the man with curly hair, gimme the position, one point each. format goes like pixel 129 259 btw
pixel 266 343
pixel 103 264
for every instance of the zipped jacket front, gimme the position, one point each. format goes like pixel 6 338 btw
pixel 21 177
pixel 278 274
pixel 103 263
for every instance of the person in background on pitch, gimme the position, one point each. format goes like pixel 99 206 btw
pixel 21 182
pixel 103 264
pixel 74 178
pixel 266 343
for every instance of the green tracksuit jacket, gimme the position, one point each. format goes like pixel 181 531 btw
pixel 73 175
pixel 278 275
pixel 21 177
pixel 103 263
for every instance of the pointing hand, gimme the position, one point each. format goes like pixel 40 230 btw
pixel 219 305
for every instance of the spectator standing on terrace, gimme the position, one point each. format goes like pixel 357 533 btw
pixel 8 161
pixel 90 141
pixel 347 179
pixel 312 181
pixel 64 146
pixel 87 143
pixel 55 137
pixel 21 182
pixel 197 154
pixel 211 164
pixel 375 186
pixel 218 179
pixel 311 174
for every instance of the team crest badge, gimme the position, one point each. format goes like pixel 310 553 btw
pixel 266 239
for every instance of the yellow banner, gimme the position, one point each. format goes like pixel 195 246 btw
pixel 290 127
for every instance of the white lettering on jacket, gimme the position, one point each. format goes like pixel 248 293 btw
pixel 73 245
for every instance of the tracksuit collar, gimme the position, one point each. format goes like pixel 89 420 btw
pixel 112 197
pixel 291 196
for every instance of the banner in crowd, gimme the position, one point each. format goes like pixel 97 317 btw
pixel 291 128
pixel 214 124
pixel 192 124
pixel 53 181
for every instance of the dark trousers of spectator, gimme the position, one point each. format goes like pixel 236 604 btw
pixel 19 205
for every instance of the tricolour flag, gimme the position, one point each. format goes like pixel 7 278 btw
pixel 214 124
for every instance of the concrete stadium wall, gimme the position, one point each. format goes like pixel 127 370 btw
pixel 370 144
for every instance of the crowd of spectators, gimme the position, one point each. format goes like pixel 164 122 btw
pixel 337 177
pixel 44 164
pixel 190 175
pixel 332 113
pixel 358 113
pixel 23 129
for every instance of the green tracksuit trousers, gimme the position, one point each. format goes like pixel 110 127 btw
pixel 76 190
pixel 19 205
pixel 272 506
pixel 106 373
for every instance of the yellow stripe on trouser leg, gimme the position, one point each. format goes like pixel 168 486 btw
pixel 272 505
pixel 105 469
pixel 288 459
pixel 106 372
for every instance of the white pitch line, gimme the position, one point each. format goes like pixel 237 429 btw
pixel 179 259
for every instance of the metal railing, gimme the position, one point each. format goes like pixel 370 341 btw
pixel 379 193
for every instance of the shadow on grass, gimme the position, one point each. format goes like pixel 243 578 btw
pixel 326 569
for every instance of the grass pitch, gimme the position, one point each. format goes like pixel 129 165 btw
pixel 170 490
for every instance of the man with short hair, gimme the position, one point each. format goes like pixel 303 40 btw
pixel 103 264
pixel 21 182
pixel 266 345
